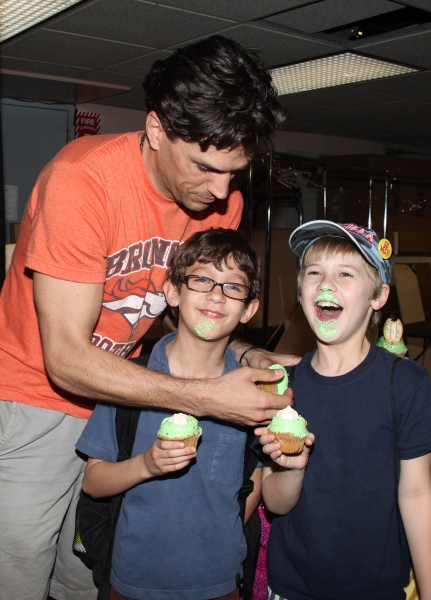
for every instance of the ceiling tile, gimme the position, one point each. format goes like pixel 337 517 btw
pixel 332 13
pixel 44 68
pixel 277 47
pixel 341 96
pixel 413 49
pixel 415 85
pixel 142 23
pixel 423 4
pixel 239 10
pixel 68 49
pixel 400 111
pixel 139 67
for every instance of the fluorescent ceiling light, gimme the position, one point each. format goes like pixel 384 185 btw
pixel 19 15
pixel 330 71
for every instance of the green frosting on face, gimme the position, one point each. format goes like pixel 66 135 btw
pixel 396 348
pixel 282 385
pixel 297 428
pixel 327 329
pixel 202 329
pixel 169 429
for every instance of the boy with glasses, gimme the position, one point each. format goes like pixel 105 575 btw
pixel 179 534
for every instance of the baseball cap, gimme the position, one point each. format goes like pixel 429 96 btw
pixel 376 252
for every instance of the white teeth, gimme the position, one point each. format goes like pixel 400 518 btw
pixel 325 304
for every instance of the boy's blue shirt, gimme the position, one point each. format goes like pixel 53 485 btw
pixel 180 535
pixel 341 540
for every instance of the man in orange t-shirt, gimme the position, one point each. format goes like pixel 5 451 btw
pixel 85 284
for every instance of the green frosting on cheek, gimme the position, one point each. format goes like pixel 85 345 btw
pixel 327 329
pixel 203 328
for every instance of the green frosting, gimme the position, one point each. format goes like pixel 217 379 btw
pixel 327 328
pixel 168 429
pixel 396 348
pixel 204 327
pixel 297 427
pixel 282 385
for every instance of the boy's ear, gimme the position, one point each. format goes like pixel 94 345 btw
pixel 381 300
pixel 172 294
pixel 250 311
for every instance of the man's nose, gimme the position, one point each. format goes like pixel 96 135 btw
pixel 218 185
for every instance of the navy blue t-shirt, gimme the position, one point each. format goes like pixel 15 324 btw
pixel 179 535
pixel 340 542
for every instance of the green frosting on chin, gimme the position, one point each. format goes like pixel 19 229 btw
pixel 282 385
pixel 396 348
pixel 168 429
pixel 297 427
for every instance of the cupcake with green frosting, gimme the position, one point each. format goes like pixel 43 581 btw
pixel 399 348
pixel 180 428
pixel 290 430
pixel 276 387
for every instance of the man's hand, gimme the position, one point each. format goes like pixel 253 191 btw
pixel 238 399
pixel 273 449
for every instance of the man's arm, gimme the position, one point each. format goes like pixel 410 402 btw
pixel 67 314
pixel 259 358
pixel 414 496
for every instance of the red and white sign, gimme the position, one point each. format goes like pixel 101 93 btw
pixel 87 123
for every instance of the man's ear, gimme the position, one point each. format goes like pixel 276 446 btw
pixel 250 311
pixel 172 294
pixel 381 300
pixel 154 130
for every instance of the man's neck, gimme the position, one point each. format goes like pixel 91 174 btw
pixel 339 359
pixel 192 358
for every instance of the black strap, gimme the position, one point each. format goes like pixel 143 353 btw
pixel 126 424
pixel 291 376
pixel 394 430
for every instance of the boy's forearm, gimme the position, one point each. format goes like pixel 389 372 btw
pixel 416 516
pixel 414 497
pixel 281 488
pixel 103 479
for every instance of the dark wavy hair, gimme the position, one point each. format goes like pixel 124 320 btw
pixel 214 93
pixel 215 246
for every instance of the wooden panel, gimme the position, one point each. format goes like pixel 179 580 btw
pixel 14 231
pixel 298 339
pixel 409 297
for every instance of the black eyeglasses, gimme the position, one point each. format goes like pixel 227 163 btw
pixel 197 283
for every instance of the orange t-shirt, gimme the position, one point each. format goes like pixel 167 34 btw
pixel 94 217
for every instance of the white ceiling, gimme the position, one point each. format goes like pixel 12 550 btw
pixel 116 42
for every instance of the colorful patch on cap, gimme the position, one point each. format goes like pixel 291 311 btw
pixel 367 234
pixel 393 331
pixel 385 248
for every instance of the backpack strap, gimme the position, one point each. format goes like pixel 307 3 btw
pixel 394 431
pixel 126 424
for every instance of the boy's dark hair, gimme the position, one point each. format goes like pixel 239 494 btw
pixel 214 93
pixel 215 246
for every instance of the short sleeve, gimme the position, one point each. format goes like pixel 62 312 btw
pixel 99 440
pixel 75 248
pixel 412 392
